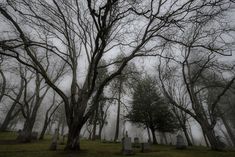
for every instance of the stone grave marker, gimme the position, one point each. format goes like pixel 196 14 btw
pixel 34 135
pixel 136 143
pixel 126 146
pixel 180 143
pixel 63 140
pixel 221 144
pixel 53 145
pixel 145 147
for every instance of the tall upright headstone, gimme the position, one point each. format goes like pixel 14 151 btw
pixel 180 143
pixel 53 145
pixel 126 146
pixel 136 143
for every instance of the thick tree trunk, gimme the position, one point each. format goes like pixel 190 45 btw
pixel 226 136
pixel 229 130
pixel 9 117
pixel 73 142
pixel 210 134
pixel 154 136
pixel 25 134
pixel 205 138
pixel 187 136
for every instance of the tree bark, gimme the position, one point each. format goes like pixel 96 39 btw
pixel 73 142
pixel 100 130
pixel 95 124
pixel 45 125
pixel 118 112
pixel 226 125
pixel 154 136
pixel 10 116
pixel 187 136
pixel 149 134
pixel 165 138
pixel 25 134
pixel 210 134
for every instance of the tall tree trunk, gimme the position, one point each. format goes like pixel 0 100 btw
pixel 149 136
pixel 62 127
pixel 210 134
pixel 9 117
pixel 227 137
pixel 190 133
pixel 44 128
pixel 25 134
pixel 229 130
pixel 118 113
pixel 41 137
pixel 100 130
pixel 95 124
pixel 165 138
pixel 73 142
pixel 154 136
pixel 205 138
pixel 3 86
pixel 187 136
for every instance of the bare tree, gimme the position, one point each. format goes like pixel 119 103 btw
pixel 49 114
pixel 3 80
pixel 14 109
pixel 89 31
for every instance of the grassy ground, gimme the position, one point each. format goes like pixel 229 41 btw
pixel 9 148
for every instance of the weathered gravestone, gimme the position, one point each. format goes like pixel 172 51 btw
pixel 180 143
pixel 136 143
pixel 53 145
pixel 145 147
pixel 126 146
pixel 63 140
pixel 34 135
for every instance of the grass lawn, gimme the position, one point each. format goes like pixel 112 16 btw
pixel 9 148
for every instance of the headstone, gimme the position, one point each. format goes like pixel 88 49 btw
pixel 136 143
pixel 126 146
pixel 34 135
pixel 126 133
pixel 221 144
pixel 53 145
pixel 63 140
pixel 145 147
pixel 180 143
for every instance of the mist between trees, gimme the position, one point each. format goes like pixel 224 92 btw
pixel 74 59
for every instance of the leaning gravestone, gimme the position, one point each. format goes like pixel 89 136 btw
pixel 126 146
pixel 145 147
pixel 136 143
pixel 53 145
pixel 180 144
